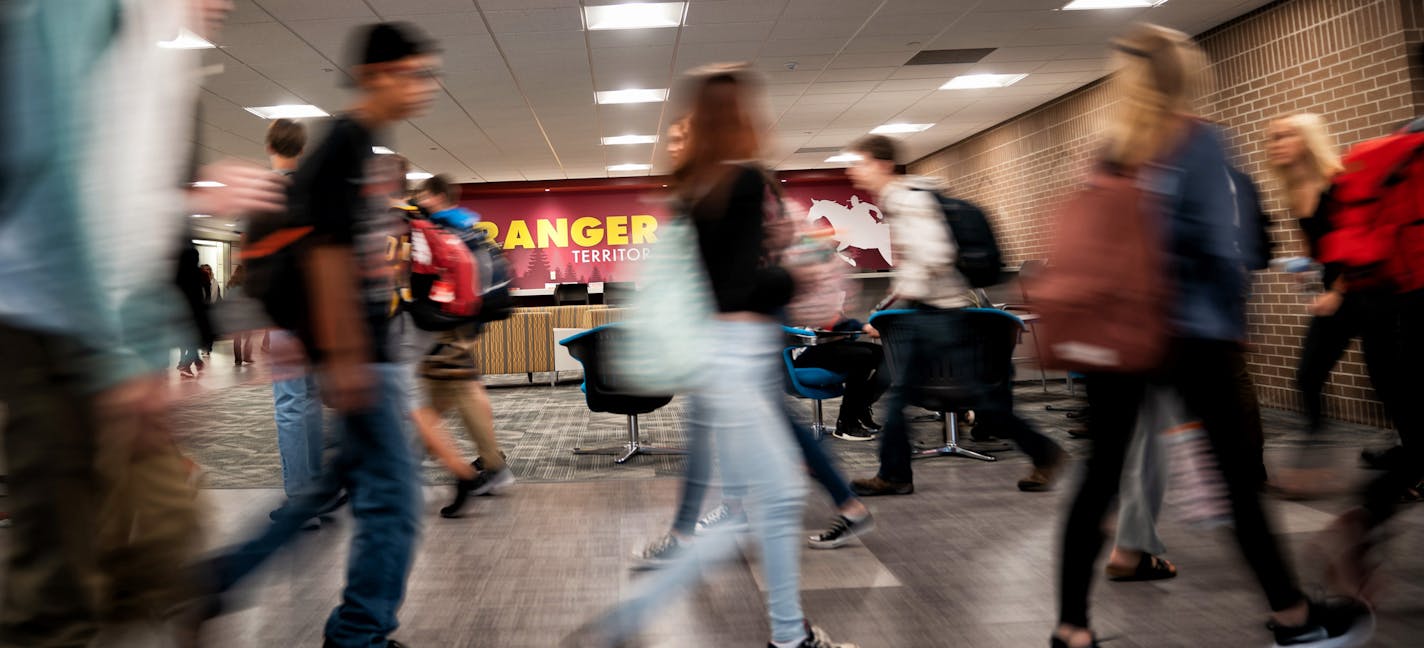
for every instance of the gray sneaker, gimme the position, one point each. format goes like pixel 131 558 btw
pixel 659 553
pixel 722 517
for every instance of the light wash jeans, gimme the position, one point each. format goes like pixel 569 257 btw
pixel 296 404
pixel 740 410
pixel 375 466
pixel 1144 476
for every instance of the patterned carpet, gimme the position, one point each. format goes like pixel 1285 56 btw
pixel 230 433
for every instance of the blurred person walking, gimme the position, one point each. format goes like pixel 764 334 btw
pixel 449 373
pixel 190 283
pixel 105 513
pixel 1182 162
pixel 927 279
pixel 296 401
pixel 342 190
pixel 1302 157
pixel 242 351
pixel 724 195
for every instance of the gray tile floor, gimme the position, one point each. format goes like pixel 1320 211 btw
pixel 966 561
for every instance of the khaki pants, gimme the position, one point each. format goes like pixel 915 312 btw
pixel 105 519
pixel 469 400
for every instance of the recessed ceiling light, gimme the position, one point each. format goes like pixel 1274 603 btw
pixel 381 150
pixel 202 215
pixel 645 95
pixel 630 167
pixel 208 184
pixel 630 139
pixel 419 175
pixel 972 81
pixel 1112 4
pixel 287 111
pixel 893 129
pixel 637 15
pixel 186 40
pixel 842 158
pixel 231 225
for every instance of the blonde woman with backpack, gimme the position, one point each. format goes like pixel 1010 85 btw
pixel 1181 163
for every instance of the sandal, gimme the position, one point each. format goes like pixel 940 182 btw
pixel 1059 643
pixel 1149 568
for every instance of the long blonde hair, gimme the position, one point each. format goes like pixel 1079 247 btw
pixel 1318 145
pixel 1160 74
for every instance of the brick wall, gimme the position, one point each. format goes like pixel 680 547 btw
pixel 1352 61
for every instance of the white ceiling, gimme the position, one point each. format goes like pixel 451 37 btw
pixel 520 74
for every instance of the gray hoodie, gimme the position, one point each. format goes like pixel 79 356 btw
pixel 923 249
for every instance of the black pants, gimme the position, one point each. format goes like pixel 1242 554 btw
pixel 1325 342
pixel 930 334
pixel 1390 334
pixel 861 362
pixel 1203 373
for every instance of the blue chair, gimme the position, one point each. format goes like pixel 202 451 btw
pixel 973 361
pixel 603 394
pixel 810 382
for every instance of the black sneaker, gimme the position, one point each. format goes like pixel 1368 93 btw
pixel 491 481
pixel 817 638
pixel 659 553
pixel 723 517
pixel 462 495
pixel 479 463
pixel 332 506
pixel 867 421
pixel 1382 459
pixel 852 431
pixel 390 643
pixel 1337 623
pixel 842 531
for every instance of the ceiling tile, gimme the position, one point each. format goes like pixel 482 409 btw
pixel 857 74
pixel 247 11
pixel 445 27
pixel 308 10
pixel 717 33
pixel 724 11
pixel 632 38
pixel 525 21
pixel 389 8
pixel 892 59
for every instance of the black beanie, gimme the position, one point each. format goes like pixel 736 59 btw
pixel 386 42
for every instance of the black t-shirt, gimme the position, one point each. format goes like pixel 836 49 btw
pixel 1315 228
pixel 730 223
pixel 342 190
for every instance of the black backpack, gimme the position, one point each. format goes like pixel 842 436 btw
pixel 272 254
pixel 979 258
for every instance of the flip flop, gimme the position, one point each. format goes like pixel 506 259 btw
pixel 1149 568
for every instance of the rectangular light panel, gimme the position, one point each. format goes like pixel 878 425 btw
pixel 972 81
pixel 186 40
pixel 287 111
pixel 636 15
pixel 894 129
pixel 1112 4
pixel 640 95
pixel 630 139
pixel 630 167
pixel 843 158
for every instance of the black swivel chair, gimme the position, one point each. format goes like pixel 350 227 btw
pixel 603 395
pixel 574 293
pixel 975 359
pixel 618 293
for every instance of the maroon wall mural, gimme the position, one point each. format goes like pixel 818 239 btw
pixel 587 233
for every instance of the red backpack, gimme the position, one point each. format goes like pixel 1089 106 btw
pixel 1104 301
pixel 1376 212
pixel 444 279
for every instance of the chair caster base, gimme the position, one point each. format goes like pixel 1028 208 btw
pixel 627 451
pixel 953 450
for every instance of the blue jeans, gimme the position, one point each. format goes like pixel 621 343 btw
pixel 742 414
pixel 375 466
pixel 297 406
pixel 699 473
pixel 188 357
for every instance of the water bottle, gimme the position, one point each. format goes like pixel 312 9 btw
pixel 1308 273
